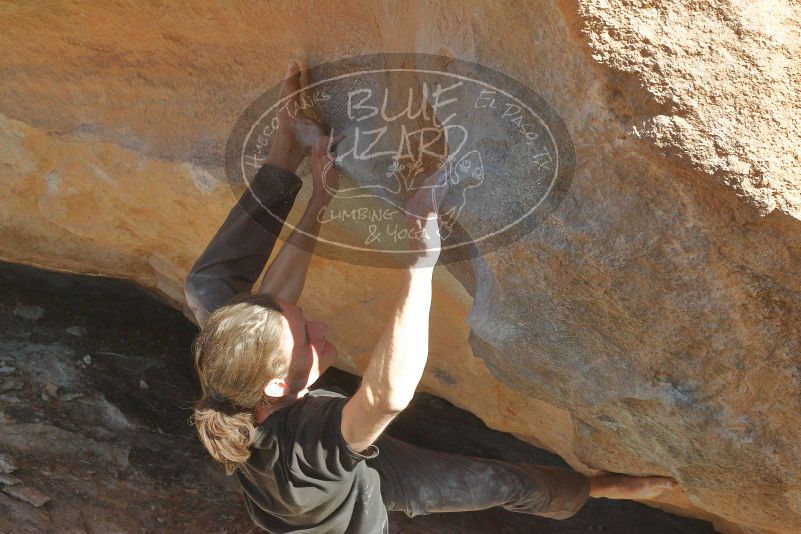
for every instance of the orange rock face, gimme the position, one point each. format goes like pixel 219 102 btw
pixel 649 326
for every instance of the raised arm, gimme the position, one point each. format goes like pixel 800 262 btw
pixel 286 275
pixel 235 256
pixel 238 252
pixel 396 366
pixel 400 355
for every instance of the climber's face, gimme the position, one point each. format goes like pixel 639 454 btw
pixel 306 342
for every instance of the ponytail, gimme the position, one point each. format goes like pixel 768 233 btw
pixel 237 351
pixel 225 429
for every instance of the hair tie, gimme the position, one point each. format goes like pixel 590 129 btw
pixel 219 398
pixel 226 405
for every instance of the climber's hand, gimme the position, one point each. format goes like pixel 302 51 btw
pixel 295 132
pixel 422 218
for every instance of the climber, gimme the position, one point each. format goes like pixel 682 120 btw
pixel 313 460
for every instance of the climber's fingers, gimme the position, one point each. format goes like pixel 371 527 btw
pixel 291 82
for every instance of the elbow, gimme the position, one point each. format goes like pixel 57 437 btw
pixel 192 291
pixel 197 298
pixel 394 404
pixel 192 286
pixel 382 403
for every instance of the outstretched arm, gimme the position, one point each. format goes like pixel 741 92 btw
pixel 236 255
pixel 396 367
pixel 286 275
pixel 400 356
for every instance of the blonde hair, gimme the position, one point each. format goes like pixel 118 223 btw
pixel 237 352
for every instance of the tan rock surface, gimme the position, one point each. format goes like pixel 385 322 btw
pixel 649 327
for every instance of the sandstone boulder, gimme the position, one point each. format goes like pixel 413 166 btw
pixel 648 326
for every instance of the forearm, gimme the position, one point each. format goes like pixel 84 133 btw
pixel 286 275
pixel 400 356
pixel 285 154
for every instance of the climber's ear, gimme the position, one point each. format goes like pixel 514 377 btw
pixel 277 387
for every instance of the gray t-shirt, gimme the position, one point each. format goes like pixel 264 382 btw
pixel 302 476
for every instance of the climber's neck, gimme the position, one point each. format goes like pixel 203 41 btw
pixel 263 412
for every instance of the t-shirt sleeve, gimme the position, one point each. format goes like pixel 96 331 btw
pixel 236 255
pixel 318 441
